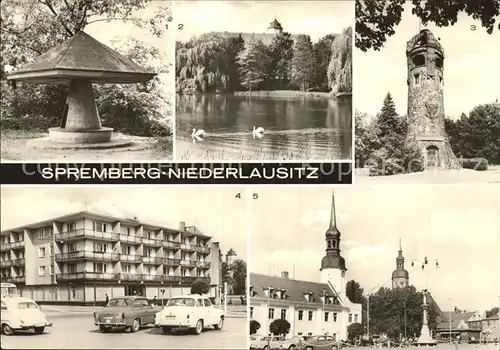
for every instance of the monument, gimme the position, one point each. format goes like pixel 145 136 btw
pixel 425 338
pixel 80 62
pixel 426 118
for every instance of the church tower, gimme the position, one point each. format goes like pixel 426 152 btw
pixel 333 264
pixel 425 58
pixel 400 277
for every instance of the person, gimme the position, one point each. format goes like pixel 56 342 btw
pixel 107 299
pixel 154 301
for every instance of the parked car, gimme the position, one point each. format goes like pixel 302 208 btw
pixel 192 312
pixel 275 342
pixel 321 342
pixel 128 312
pixel 20 313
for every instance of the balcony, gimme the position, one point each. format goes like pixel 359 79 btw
pixel 87 233
pixel 5 263
pixel 5 246
pixel 151 242
pixel 14 279
pixel 203 250
pixel 17 244
pixel 171 279
pixel 131 258
pixel 170 244
pixel 188 247
pixel 87 255
pixel 153 278
pixel 203 264
pixel 130 276
pixel 191 279
pixel 18 262
pixel 87 276
pixel 131 239
pixel 151 260
pixel 171 262
pixel 188 263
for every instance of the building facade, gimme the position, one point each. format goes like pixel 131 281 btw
pixel 79 258
pixel 311 308
pixel 462 326
pixel 400 277
pixel 426 117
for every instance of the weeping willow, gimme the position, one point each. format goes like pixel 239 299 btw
pixel 340 67
pixel 207 64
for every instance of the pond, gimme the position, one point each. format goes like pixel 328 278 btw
pixel 295 128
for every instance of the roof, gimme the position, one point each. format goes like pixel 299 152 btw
pixel 400 273
pixel 295 289
pixel 425 38
pixel 275 25
pixel 81 56
pixel 456 319
pixel 333 260
pixel 87 214
pixel 231 252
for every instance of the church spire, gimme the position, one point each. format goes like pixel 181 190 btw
pixel 332 229
pixel 333 259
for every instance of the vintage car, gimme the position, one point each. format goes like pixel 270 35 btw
pixel 20 313
pixel 320 342
pixel 274 342
pixel 128 312
pixel 192 312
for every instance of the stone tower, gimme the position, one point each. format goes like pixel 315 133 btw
pixel 333 264
pixel 425 57
pixel 400 277
pixel 276 26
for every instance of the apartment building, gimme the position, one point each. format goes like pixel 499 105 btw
pixel 83 256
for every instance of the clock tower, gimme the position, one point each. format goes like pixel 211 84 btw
pixel 425 58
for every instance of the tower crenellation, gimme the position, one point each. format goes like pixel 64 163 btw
pixel 426 116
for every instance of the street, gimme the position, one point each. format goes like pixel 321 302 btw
pixel 78 331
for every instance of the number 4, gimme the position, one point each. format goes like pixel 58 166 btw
pixel 238 196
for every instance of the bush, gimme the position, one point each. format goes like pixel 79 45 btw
pixel 254 326
pixel 200 287
pixel 279 327
pixel 479 164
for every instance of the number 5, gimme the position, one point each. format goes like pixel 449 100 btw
pixel 255 196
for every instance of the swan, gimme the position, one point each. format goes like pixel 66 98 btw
pixel 198 133
pixel 258 132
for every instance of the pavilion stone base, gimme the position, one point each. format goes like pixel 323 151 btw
pixel 46 143
pixel 100 135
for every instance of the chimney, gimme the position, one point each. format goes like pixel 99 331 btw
pixel 284 274
pixel 135 218
pixel 182 226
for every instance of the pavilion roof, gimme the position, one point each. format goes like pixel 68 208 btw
pixel 82 57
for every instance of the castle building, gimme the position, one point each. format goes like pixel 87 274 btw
pixel 426 117
pixel 311 307
pixel 231 256
pixel 400 277
pixel 81 257
pixel 276 27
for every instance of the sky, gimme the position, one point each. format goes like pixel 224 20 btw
pixel 316 18
pixel 213 210
pixel 471 68
pixel 457 225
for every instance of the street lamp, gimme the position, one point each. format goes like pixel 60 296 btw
pixel 449 320
pixel 425 336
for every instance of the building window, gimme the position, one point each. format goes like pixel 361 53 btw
pixel 326 316
pixel 41 270
pixel 71 268
pixel 99 268
pixel 271 314
pixel 310 315
pixel 356 318
pixel 51 249
pixel 51 270
pixel 41 252
pixel 99 226
pixel 251 311
pixel 99 247
pixel 334 317
pixel 301 315
pixel 71 226
pixel 283 314
pixel 41 233
pixel 71 247
pixel 350 318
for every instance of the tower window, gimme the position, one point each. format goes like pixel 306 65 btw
pixel 416 79
pixel 439 63
pixel 418 60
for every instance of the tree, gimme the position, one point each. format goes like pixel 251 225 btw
pixel 477 135
pixel 281 52
pixel 492 312
pixel 303 62
pixel 354 331
pixel 254 326
pixel 322 55
pixel 365 138
pixel 200 287
pixel 354 292
pixel 253 62
pixel 388 316
pixel 376 20
pixel 226 273
pixel 279 327
pixel 239 269
pixel 340 67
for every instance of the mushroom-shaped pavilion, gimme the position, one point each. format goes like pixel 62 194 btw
pixel 80 62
